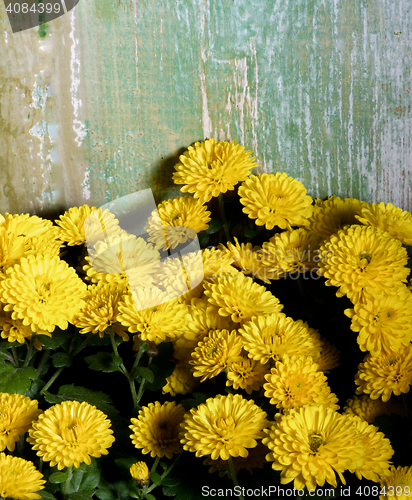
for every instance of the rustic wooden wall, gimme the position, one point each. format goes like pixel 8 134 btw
pixel 100 102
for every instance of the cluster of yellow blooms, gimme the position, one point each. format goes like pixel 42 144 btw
pixel 226 322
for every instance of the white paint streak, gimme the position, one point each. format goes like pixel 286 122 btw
pixel 206 121
pixel 241 83
pixel 78 126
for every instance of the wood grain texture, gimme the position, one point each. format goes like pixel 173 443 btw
pixel 105 103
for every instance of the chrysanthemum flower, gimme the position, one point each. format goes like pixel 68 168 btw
pixel 19 479
pixel 201 319
pixel 181 381
pixel 246 374
pixel 241 298
pixel 223 426
pixel 48 244
pixel 155 323
pixel 382 375
pixel 212 167
pixel 296 381
pixel 215 352
pixel 312 443
pixel 397 485
pixel 100 310
pixel 122 259
pixel 70 433
pixel 331 215
pixel 255 460
pixel 140 472
pixel 389 218
pixel 384 322
pixel 28 226
pixel 379 451
pixel 13 329
pixel 329 357
pixel 273 336
pixel 176 220
pixel 275 200
pixel 12 249
pixel 99 222
pixel 360 258
pixel 156 429
pixel 42 291
pixel 368 409
pixel 17 413
pixel 184 278
pixel 249 259
pixel 292 251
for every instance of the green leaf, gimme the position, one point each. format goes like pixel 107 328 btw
pixel 168 481
pixel 150 497
pixel 78 496
pixel 168 492
pixel 58 477
pixel 90 482
pixel 214 226
pixel 198 399
pixel 105 494
pixel 46 495
pixel 104 362
pixel 78 393
pixel 146 373
pixel 162 366
pixel 35 388
pixel 203 239
pixel 58 339
pixel 15 380
pixel 249 233
pixel 60 359
pixel 155 478
pixel 5 354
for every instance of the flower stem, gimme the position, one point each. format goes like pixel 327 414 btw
pixel 52 379
pixel 233 474
pixel 223 215
pixel 142 384
pixel 16 358
pixel 29 352
pixel 67 483
pixel 43 360
pixel 165 473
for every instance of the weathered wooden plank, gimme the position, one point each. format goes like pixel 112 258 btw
pixel 103 105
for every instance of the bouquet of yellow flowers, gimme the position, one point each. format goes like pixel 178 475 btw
pixel 242 325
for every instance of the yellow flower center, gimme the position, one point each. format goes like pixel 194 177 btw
pixel 315 440
pixel 71 433
pixel 165 433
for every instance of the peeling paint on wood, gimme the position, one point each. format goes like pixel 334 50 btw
pixel 104 104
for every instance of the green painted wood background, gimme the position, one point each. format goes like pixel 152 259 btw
pixel 102 101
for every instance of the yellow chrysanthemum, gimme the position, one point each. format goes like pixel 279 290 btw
pixel 156 429
pixel 273 336
pixel 42 291
pixel 241 298
pixel 28 226
pixel 331 215
pixel 223 426
pixel 397 485
pixel 122 259
pixel 157 323
pixel 275 200
pixel 255 460
pixel 384 322
pixel 100 310
pixel 19 479
pixel 17 413
pixel 292 251
pixel 12 248
pixel 310 444
pixel 382 375
pixel 184 277
pixel 296 381
pixel 48 244
pixel 212 167
pixel 248 259
pixel 181 381
pixel 140 472
pixel 13 329
pixel 368 409
pixel 176 220
pixel 329 357
pixel 99 223
pixel 215 352
pixel 246 374
pixel 201 319
pixel 376 461
pixel 70 433
pixel 360 258
pixel 389 218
